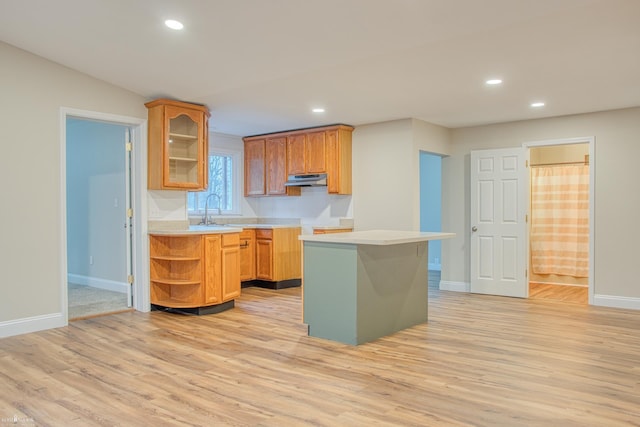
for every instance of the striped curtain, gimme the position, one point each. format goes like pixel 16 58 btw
pixel 560 220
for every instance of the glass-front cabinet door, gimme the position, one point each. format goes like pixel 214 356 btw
pixel 184 148
pixel 178 148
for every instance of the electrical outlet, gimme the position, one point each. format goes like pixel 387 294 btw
pixel 90 259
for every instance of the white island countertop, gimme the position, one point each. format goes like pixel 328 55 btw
pixel 376 237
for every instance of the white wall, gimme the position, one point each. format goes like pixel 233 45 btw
pixel 383 184
pixel 96 205
pixel 386 171
pixel 617 201
pixel 314 207
pixel 33 91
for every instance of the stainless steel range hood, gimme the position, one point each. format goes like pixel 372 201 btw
pixel 310 180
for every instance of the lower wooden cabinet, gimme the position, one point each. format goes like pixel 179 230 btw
pixel 230 257
pixel 264 255
pixel 194 270
pixel 247 255
pixel 270 254
pixel 278 254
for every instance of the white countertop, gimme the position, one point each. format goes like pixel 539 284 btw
pixel 332 227
pixel 267 226
pixel 197 229
pixel 376 237
pixel 216 229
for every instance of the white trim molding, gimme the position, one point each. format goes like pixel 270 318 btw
pixel 96 282
pixel 32 324
pixel 616 301
pixel 446 285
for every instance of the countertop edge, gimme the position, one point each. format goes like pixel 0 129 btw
pixel 192 231
pixel 216 229
pixel 376 237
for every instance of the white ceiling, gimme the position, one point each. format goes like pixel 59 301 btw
pixel 261 65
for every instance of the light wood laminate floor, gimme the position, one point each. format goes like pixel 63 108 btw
pixel 479 361
pixel 564 293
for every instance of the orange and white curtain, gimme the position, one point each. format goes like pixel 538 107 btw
pixel 560 220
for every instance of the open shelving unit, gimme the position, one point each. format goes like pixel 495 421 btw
pixel 176 270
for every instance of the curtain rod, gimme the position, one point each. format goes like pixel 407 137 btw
pixel 560 164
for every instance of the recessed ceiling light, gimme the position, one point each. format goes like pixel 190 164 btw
pixel 173 24
pixel 493 81
pixel 318 110
pixel 537 104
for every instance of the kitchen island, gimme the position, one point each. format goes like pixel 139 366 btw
pixel 363 285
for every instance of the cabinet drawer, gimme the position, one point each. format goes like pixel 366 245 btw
pixel 247 234
pixel 231 239
pixel 264 234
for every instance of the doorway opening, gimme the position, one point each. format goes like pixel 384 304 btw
pixel 560 229
pixel 431 210
pixel 97 203
pixel 94 157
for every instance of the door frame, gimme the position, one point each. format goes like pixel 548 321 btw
pixel 140 247
pixel 592 199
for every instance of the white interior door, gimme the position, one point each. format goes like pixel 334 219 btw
pixel 499 194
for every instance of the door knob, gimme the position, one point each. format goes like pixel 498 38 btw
pixel 474 228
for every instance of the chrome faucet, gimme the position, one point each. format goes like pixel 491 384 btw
pixel 206 220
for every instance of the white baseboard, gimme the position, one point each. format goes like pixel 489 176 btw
pixel 446 285
pixel 616 301
pixel 95 282
pixel 435 267
pixel 31 324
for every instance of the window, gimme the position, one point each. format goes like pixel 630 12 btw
pixel 223 181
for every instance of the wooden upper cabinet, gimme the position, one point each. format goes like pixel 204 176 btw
pixel 338 144
pixel 306 153
pixel 276 164
pixel 296 154
pixel 177 146
pixel 316 153
pixel 265 167
pixel 310 151
pixel 254 167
